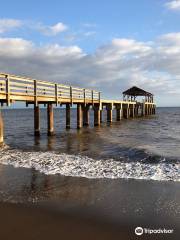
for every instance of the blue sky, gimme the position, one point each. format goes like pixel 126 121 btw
pixel 142 19
pixel 105 44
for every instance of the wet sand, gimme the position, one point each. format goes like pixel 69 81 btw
pixel 42 221
pixel 20 221
pixel 38 206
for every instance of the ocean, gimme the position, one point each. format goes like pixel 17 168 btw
pixel 126 173
pixel 141 148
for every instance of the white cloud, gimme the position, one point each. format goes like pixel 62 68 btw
pixel 51 30
pixel 173 5
pixel 57 28
pixel 9 24
pixel 89 25
pixel 111 68
pixel 15 47
pixel 90 33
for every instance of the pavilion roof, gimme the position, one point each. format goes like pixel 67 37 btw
pixel 135 91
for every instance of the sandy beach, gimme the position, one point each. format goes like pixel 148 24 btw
pixel 44 221
pixel 43 206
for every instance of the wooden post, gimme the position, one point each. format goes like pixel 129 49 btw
pixel 96 115
pixel 36 121
pixel 118 113
pixel 79 116
pixel 136 110
pixel 84 95
pixel 149 109
pixel 68 116
pixel 146 110
pixel 131 110
pixel 101 115
pixel 86 115
pixel 8 90
pixel 109 113
pixel 56 93
pixel 126 111
pixel 142 109
pixel 71 95
pixel 154 109
pixel 1 129
pixel 50 119
pixel 92 96
pixel 35 93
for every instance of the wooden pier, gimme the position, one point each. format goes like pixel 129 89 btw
pixel 31 91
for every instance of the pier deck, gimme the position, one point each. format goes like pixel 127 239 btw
pixel 32 91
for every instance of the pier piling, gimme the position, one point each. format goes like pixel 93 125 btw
pixel 118 112
pixel 131 111
pixel 109 109
pixel 97 117
pixel 126 111
pixel 1 129
pixel 68 116
pixel 101 115
pixel 79 116
pixel 86 115
pixel 142 109
pixel 50 119
pixel 36 120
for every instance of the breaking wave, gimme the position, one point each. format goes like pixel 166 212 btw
pixel 82 166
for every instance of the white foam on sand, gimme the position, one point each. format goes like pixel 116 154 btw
pixel 82 166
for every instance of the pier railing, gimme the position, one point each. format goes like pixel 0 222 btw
pixel 21 88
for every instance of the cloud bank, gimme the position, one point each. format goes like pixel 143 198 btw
pixel 112 68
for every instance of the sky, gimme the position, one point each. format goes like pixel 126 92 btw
pixel 104 45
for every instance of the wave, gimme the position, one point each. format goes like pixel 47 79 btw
pixel 83 166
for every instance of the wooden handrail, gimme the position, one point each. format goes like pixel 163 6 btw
pixel 28 86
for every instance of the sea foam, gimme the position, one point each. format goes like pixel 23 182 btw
pixel 83 166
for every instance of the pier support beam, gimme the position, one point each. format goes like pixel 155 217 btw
pixel 68 116
pixel 126 111
pixel 150 110
pixel 136 110
pixel 146 109
pixel 36 120
pixel 97 116
pixel 1 129
pixel 109 109
pixel 118 112
pixel 86 115
pixel 50 119
pixel 142 109
pixel 132 111
pixel 101 115
pixel 79 116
